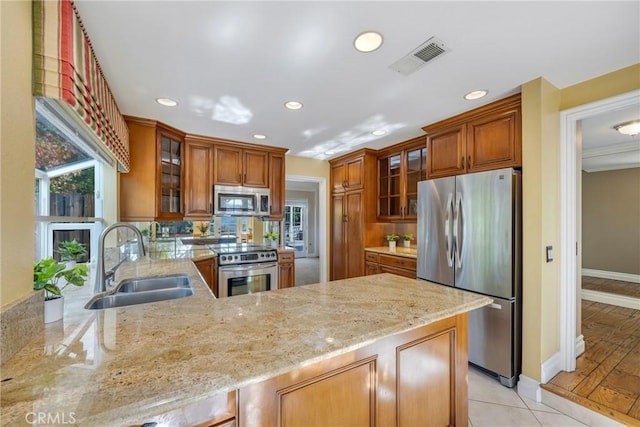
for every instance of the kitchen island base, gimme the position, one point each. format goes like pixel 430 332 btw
pixel 407 379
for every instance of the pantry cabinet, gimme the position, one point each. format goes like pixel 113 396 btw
pixel 153 189
pixel 239 166
pixel 489 137
pixel 353 204
pixel 400 168
pixel 276 186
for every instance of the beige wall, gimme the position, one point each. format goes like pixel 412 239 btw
pixel 17 152
pixel 611 221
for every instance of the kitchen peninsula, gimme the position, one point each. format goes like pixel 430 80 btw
pixel 367 349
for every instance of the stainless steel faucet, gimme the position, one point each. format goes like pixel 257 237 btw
pixel 103 277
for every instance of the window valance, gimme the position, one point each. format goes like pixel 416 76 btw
pixel 65 68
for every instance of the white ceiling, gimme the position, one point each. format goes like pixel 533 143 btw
pixel 232 65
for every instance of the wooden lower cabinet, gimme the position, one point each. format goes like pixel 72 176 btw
pixel 402 380
pixel 208 268
pixel 383 263
pixel 286 270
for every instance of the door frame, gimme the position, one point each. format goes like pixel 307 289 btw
pixel 570 237
pixel 322 209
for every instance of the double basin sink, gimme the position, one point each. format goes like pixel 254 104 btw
pixel 143 290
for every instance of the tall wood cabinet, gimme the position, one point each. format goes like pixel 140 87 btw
pixel 199 179
pixel 400 168
pixel 489 137
pixel 154 187
pixel 353 201
pixel 276 185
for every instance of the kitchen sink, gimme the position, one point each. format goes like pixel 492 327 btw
pixel 121 299
pixel 180 281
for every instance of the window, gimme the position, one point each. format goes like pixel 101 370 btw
pixel 68 183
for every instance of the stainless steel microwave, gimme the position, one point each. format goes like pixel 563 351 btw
pixel 241 201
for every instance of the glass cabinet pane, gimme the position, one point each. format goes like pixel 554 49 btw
pixel 394 165
pixel 394 206
pixel 171 178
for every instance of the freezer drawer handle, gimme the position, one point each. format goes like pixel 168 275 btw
pixel 494 305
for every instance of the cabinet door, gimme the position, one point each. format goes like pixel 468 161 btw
pixel 354 233
pixel 338 243
pixel 228 165
pixel 371 268
pixel 493 141
pixel 355 174
pixel 286 275
pixel 209 272
pixel 255 168
pixel 390 201
pixel 338 177
pixel 396 270
pixel 446 152
pixel 416 171
pixel 277 186
pixel 198 181
pixel 169 200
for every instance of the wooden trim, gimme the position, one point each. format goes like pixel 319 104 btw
pixel 237 144
pixel 154 124
pixel 353 154
pixel 505 103
pixel 404 145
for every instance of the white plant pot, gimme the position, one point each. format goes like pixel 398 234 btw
pixel 53 310
pixel 274 243
pixel 406 243
pixel 392 244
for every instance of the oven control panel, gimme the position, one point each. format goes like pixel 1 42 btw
pixel 248 257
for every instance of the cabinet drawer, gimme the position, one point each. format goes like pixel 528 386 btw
pixel 398 261
pixel 370 256
pixel 286 257
pixel 399 271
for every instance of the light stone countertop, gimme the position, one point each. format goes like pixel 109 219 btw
pixel 398 251
pixel 126 365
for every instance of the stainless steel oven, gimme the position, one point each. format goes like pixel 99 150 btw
pixel 246 269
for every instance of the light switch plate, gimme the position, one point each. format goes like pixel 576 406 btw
pixel 549 253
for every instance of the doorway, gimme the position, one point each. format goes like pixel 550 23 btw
pixel 572 343
pixel 296 226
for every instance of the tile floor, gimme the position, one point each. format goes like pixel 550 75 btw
pixel 307 271
pixel 493 405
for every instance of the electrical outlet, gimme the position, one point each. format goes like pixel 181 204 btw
pixel 549 253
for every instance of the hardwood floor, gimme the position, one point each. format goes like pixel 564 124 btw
pixel 607 376
pixel 617 287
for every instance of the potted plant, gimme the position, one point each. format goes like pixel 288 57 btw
pixel 71 252
pixel 48 275
pixel 271 238
pixel 406 240
pixel 391 238
pixel 203 227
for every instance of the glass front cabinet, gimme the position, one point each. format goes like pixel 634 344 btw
pixel 399 172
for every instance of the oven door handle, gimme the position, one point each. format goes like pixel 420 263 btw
pixel 247 267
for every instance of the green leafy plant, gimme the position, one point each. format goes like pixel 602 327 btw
pixel 71 251
pixel 47 274
pixel 271 236
pixel 144 232
pixel 203 227
pixel 392 237
pixel 407 237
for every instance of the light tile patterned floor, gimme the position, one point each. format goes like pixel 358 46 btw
pixel 493 405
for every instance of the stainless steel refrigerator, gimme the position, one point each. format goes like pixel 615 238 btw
pixel 469 237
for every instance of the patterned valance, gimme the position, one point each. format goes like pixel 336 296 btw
pixel 65 68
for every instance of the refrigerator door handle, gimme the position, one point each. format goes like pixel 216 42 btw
pixel 457 221
pixel 447 229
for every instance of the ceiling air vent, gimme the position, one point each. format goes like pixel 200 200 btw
pixel 414 60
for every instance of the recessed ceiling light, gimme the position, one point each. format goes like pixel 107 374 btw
pixel 167 102
pixel 476 94
pixel 378 132
pixel 293 105
pixel 629 128
pixel 368 41
pixel 259 136
pixel 330 153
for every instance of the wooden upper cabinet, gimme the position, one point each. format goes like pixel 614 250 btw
pixel 348 175
pixel 237 166
pixel 400 168
pixel 198 179
pixel 446 151
pixel 489 137
pixel 276 185
pixel 153 189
